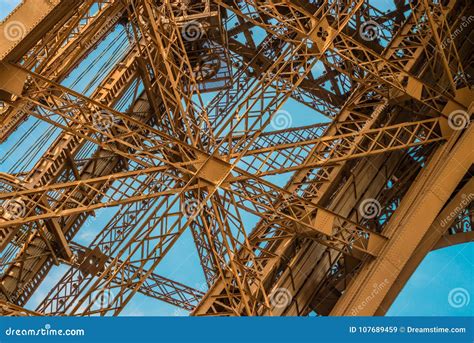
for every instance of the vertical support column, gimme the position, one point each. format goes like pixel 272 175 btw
pixel 408 226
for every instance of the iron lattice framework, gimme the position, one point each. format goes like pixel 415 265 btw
pixel 191 124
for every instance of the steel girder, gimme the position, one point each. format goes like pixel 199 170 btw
pixel 324 177
pixel 244 142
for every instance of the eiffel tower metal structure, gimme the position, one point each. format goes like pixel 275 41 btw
pixel 185 128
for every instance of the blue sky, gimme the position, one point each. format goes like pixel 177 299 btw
pixel 426 293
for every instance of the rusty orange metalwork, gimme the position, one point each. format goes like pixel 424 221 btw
pixel 380 177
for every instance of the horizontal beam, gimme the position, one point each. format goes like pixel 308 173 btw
pixel 8 309
pixel 156 286
pixel 271 159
